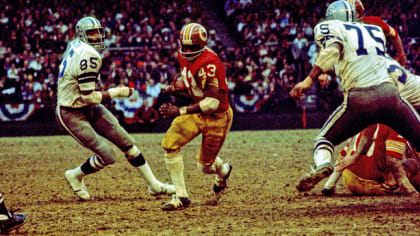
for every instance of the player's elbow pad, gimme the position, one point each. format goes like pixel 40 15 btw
pixel 209 104
pixel 92 98
pixel 327 58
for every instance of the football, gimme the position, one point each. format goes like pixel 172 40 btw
pixel 180 95
pixel 179 84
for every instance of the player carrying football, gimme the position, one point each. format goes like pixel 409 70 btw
pixel 210 114
pixel 81 114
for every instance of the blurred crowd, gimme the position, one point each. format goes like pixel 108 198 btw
pixel 274 46
pixel 277 47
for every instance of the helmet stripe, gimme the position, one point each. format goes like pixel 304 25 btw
pixel 97 21
pixel 191 31
pixel 91 19
pixel 348 9
pixel 188 31
pixel 345 6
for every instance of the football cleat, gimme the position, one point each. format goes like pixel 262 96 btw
pixel 11 221
pixel 221 183
pixel 164 189
pixel 310 179
pixel 176 203
pixel 78 186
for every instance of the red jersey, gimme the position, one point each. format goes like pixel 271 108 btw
pixel 375 20
pixel 206 70
pixel 386 142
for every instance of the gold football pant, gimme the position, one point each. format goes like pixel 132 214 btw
pixel 360 186
pixel 214 128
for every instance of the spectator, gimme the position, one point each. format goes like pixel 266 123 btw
pixel 146 117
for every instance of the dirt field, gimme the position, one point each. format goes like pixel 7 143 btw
pixel 261 198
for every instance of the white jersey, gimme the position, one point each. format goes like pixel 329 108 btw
pixel 359 66
pixel 408 83
pixel 78 72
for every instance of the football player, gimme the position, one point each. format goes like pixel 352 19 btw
pixel 354 50
pixel 408 83
pixel 81 114
pixel 371 164
pixel 409 87
pixel 8 220
pixel 389 31
pixel 210 114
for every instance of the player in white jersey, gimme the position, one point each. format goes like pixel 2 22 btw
pixel 409 88
pixel 408 83
pixel 81 114
pixel 354 50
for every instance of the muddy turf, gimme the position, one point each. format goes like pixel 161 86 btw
pixel 261 198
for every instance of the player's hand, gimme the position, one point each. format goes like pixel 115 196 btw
pixel 346 162
pixel 323 80
pixel 300 88
pixel 168 110
pixel 120 92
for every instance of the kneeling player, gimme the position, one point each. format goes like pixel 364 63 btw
pixel 371 164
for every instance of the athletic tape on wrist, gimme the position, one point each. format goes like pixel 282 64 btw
pixel 183 110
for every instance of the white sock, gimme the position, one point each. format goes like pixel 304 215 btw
pixel 175 165
pixel 79 173
pixel 322 156
pixel 221 169
pixel 149 177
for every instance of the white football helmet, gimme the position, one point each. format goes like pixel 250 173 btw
pixel 341 10
pixel 83 28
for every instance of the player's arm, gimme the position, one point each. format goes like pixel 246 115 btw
pixel 325 63
pixel 88 73
pixel 97 97
pixel 390 33
pixel 362 144
pixel 395 146
pixel 328 37
pixel 397 43
pixel 209 104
